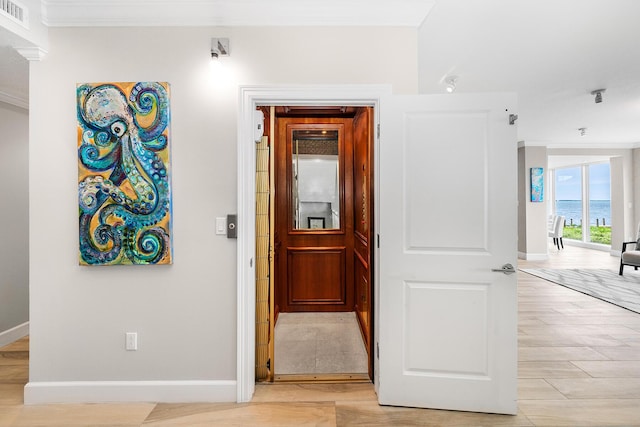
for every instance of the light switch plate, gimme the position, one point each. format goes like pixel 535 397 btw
pixel 221 225
pixel 131 341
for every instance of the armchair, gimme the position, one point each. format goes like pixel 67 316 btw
pixel 630 257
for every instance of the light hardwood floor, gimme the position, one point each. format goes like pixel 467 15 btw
pixel 579 365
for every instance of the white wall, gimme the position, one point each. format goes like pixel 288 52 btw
pixel 14 217
pixel 621 203
pixel 635 195
pixel 533 238
pixel 185 313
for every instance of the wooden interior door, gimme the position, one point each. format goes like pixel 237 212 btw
pixel 314 235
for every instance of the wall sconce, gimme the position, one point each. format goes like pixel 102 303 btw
pixel 450 83
pixel 598 94
pixel 219 47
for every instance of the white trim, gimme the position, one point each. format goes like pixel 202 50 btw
pixel 587 245
pixel 250 97
pixel 129 391
pixel 68 13
pixel 19 13
pixel 533 257
pixel 616 253
pixel 14 334
pixel 32 53
pixel 608 145
pixel 16 101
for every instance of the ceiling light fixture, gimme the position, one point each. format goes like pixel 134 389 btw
pixel 219 47
pixel 583 131
pixel 451 83
pixel 598 94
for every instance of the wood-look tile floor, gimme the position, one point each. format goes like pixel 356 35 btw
pixel 579 365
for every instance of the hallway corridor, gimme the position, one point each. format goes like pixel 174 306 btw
pixel 579 365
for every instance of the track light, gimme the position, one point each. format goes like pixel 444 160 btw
pixel 219 47
pixel 583 131
pixel 451 83
pixel 598 94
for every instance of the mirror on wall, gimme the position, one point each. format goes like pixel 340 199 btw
pixel 316 179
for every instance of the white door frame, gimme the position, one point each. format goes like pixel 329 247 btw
pixel 250 98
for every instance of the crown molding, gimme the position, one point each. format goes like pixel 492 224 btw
pixel 594 145
pixel 76 13
pixel 597 145
pixel 32 53
pixel 16 101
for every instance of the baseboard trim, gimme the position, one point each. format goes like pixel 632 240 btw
pixel 36 393
pixel 14 334
pixel 533 257
pixel 588 245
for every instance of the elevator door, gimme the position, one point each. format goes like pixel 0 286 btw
pixel 314 214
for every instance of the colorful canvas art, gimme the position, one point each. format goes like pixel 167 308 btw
pixel 124 186
pixel 537 185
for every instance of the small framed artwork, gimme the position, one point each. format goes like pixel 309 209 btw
pixel 537 184
pixel 316 222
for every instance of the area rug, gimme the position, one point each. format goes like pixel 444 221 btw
pixel 607 285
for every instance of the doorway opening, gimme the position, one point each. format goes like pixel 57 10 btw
pixel 426 279
pixel 314 252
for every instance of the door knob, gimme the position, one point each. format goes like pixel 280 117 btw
pixel 506 269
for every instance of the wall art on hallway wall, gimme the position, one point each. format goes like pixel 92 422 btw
pixel 537 185
pixel 124 185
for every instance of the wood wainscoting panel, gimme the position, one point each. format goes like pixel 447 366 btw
pixel 363 299
pixel 363 191
pixel 314 262
pixel 317 276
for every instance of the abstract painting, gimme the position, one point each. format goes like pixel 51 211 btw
pixel 537 185
pixel 124 185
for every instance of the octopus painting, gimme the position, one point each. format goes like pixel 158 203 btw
pixel 124 188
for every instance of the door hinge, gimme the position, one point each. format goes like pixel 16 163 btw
pixel 378 130
pixel 513 118
pixel 378 350
pixel 378 240
pixel 269 364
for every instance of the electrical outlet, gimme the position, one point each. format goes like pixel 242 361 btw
pixel 131 341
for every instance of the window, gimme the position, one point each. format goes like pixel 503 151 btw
pixel 568 188
pixel 583 196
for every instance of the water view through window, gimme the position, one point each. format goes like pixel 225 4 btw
pixel 569 196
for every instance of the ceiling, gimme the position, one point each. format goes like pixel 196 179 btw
pixel 553 53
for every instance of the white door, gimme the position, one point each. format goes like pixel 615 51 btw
pixel 448 205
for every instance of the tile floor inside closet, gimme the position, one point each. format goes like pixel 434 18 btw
pixel 319 343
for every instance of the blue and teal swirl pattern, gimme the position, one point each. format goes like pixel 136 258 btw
pixel 124 191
